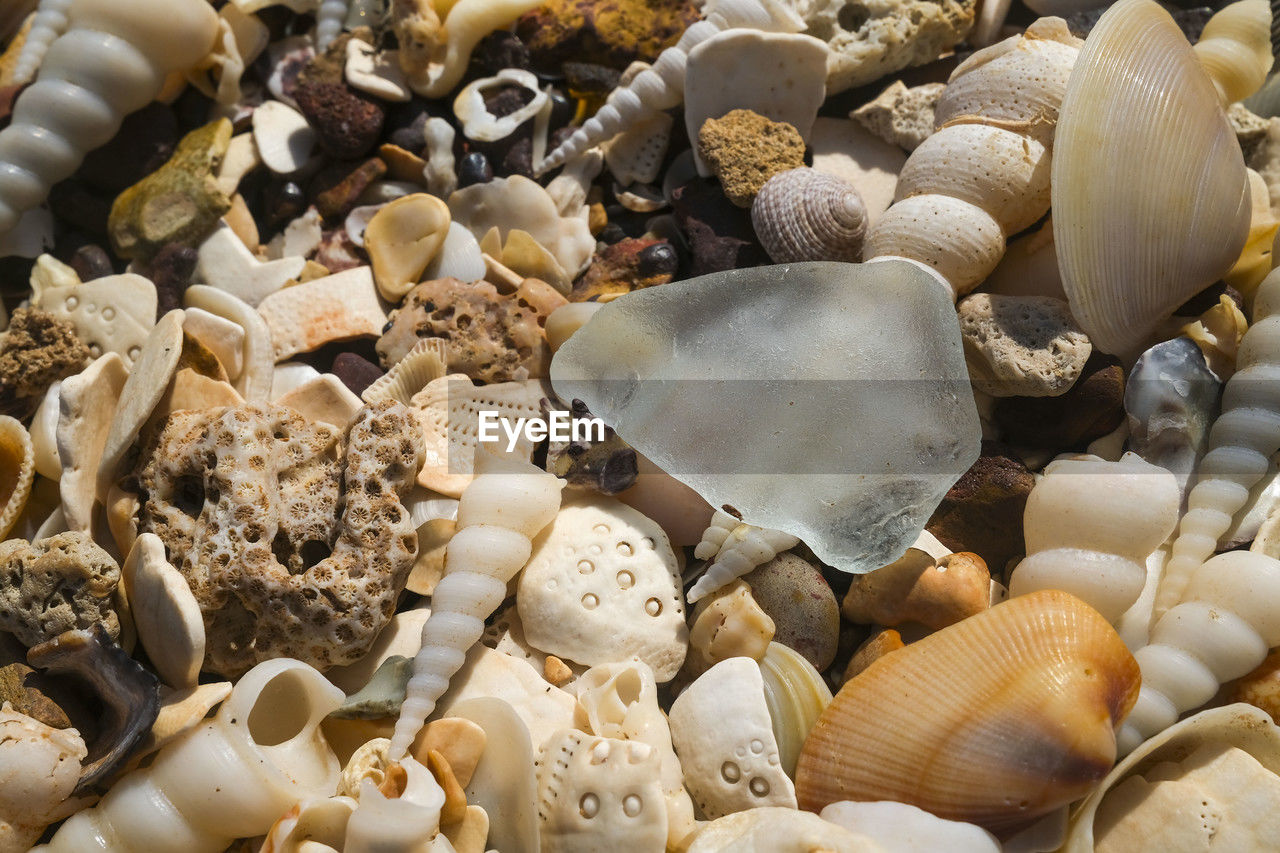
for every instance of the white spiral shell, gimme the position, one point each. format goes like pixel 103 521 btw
pixel 331 17
pixel 984 174
pixel 499 514
pixel 1241 442
pixel 112 60
pixel 49 23
pixel 662 86
pixel 807 215
pixel 1220 630
pixel 737 550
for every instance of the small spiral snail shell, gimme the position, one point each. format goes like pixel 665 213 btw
pixel 807 215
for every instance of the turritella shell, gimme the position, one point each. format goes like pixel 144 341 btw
pixel 807 215
pixel 1150 195
pixel 996 720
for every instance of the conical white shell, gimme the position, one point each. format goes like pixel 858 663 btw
pixel 807 215
pixel 1150 196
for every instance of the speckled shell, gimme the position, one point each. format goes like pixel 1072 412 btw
pixel 17 470
pixel 807 215
pixel 996 720
pixel 1150 196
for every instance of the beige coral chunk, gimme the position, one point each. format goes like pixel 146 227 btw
pixel 901 116
pixel 111 314
pixel 1021 346
pixel 165 613
pixel 334 308
pixel 247 499
pixel 915 588
pixel 871 39
pixel 519 203
pixel 148 380
pixel 402 238
pixel 54 585
pixel 85 408
pixel 601 586
pixel 1219 798
pixel 449 409
pixel 39 768
pixel 241 158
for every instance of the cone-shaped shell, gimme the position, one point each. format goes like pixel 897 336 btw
pixel 1150 195
pixel 807 215
pixel 996 720
pixel 17 470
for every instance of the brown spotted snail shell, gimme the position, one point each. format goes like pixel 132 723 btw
pixel 996 720
pixel 807 215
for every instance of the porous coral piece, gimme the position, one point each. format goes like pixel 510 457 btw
pixel 606 32
pixel 54 585
pixel 38 350
pixel 901 116
pixel 347 122
pixel 744 149
pixel 39 767
pixel 1021 346
pixel 491 337
pixel 246 500
pixel 180 202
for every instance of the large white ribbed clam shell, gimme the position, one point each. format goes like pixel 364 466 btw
pixel 1150 196
pixel 996 720
pixel 807 215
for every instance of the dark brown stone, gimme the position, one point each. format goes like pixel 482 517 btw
pixel 347 122
pixel 91 261
pixel 719 233
pixel 1092 408
pixel 171 271
pixel 355 372
pixel 982 512
pixel 337 189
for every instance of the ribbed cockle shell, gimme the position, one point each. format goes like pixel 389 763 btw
pixel 996 720
pixel 807 215
pixel 1150 195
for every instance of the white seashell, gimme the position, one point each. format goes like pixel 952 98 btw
pixel 424 362
pixel 449 408
pixel 109 61
pixel 232 778
pixel 459 257
pixel 401 637
pixel 598 793
pixel 441 178
pixel 401 822
pixel 1235 49
pixel 32 235
pixel 331 15
pixel 241 158
pixel 1262 502
pixel 17 471
pixel 50 21
pixel 904 828
pixel 569 189
pixel 85 408
pixel 285 140
pixel 775 829
pixel 254 382
pixel 290 375
pixel 1241 442
pixel 1090 526
pixel 241 39
pixel 1129 248
pixel 635 155
pixel 225 262
pixel 43 429
pixel 739 551
pixel 620 700
pixel 503 783
pixel 807 215
pixel 721 730
pixel 40 768
pixel 219 335
pixel 376 72
pixel 164 612
pixel 357 222
pixel 111 314
pixel 324 399
pixel 984 175
pixel 435 55
pixel 518 203
pixel 308 315
pixel 505 634
pixel 483 126
pixel 142 390
pixel 1220 629
pixel 782 76
pixel 796 696
pixel 499 513
pixel 312 826
pixel 602 585
pixel 287 56
pixel 403 238
pixel 299 239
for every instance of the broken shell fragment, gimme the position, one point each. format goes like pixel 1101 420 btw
pixel 39 766
pixel 1035 689
pixel 402 239
pixel 164 612
pixel 17 470
pixel 796 695
pixel 483 126
pixel 776 829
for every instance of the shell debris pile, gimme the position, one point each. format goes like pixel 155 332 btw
pixel 680 426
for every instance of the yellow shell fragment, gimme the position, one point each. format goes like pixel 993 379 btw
pixel 402 238
pixel 17 470
pixel 996 720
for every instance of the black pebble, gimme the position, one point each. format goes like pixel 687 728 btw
pixel 474 169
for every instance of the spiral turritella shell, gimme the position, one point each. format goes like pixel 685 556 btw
pixel 1221 629
pixel 1090 525
pixel 662 86
pixel 984 173
pixel 1235 49
pixel 736 549
pixel 112 60
pixel 49 23
pixel 807 215
pixel 331 16
pixel 1241 443
pixel 499 514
